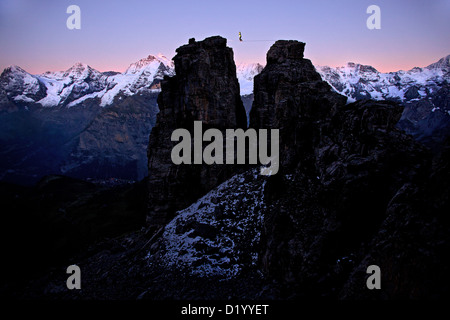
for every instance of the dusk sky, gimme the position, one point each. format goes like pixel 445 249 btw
pixel 113 34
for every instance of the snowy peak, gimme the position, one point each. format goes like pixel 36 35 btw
pixel 19 85
pixel 360 68
pixel 14 69
pixel 442 64
pixel 248 70
pixel 78 72
pixel 81 82
pixel 143 75
pixel 245 73
pixel 351 70
pixel 77 69
pixel 150 63
pixel 81 71
pixel 358 81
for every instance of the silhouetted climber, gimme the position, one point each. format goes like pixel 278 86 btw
pixel 240 36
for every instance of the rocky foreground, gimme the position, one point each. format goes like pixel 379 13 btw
pixel 352 191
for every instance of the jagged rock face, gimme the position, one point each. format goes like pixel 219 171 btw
pixel 341 166
pixel 428 119
pixel 290 95
pixel 207 83
pixel 83 141
pixel 412 244
pixel 283 50
pixel 421 91
pixel 205 88
pixel 15 82
pixel 115 142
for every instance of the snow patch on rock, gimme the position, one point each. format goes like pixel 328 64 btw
pixel 219 234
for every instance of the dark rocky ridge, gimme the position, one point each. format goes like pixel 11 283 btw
pixel 205 88
pixel 343 169
pixel 430 128
pixel 290 95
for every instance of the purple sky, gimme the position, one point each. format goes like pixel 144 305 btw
pixel 33 34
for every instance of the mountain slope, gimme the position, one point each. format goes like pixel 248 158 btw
pixel 56 123
pixel 245 73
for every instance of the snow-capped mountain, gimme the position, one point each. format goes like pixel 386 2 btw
pixel 72 86
pixel 145 74
pixel 88 140
pixel 358 81
pixel 18 85
pixel 81 82
pixel 424 93
pixel 245 73
pixel 89 121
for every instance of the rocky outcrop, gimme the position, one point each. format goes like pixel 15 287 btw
pixel 341 167
pixel 206 89
pixel 290 95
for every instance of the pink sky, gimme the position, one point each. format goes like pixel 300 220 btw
pixel 115 34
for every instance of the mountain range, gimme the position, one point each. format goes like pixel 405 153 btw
pixel 353 191
pixel 81 82
pixel 359 82
pixel 90 124
pixel 79 122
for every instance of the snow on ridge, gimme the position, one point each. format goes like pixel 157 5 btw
pixel 17 77
pixel 245 73
pixel 358 81
pixel 353 80
pixel 139 76
pixel 151 63
pixel 81 82
pixel 23 98
pixel 218 234
pixel 443 63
